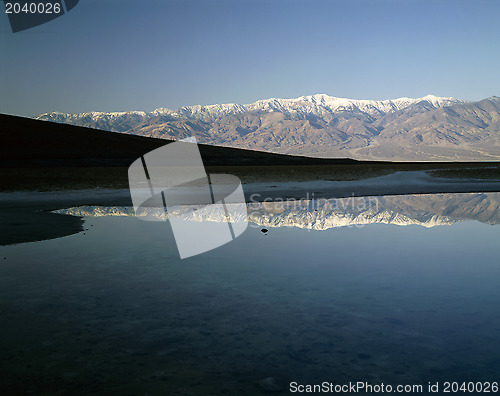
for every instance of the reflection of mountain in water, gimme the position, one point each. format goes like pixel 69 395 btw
pixel 427 210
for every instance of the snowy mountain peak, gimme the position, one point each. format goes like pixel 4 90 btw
pixel 318 104
pixel 321 102
pixel 437 101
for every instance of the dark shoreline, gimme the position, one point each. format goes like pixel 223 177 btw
pixel 76 178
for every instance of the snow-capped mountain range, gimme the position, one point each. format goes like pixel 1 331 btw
pixel 427 128
pixel 318 105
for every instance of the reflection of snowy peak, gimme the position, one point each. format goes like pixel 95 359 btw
pixel 426 210
pixel 325 218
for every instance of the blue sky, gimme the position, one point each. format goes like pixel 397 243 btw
pixel 114 55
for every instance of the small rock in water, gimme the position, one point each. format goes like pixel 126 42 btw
pixel 264 230
pixel 269 384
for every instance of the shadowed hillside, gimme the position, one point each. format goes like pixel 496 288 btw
pixel 32 143
pixel 44 156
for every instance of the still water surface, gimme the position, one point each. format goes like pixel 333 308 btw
pixel 115 311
